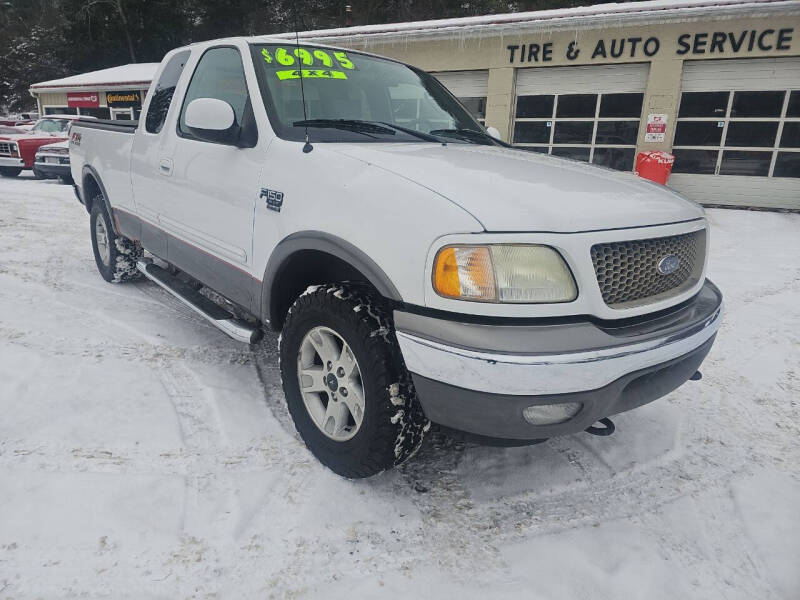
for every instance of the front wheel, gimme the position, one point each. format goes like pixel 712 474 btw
pixel 346 385
pixel 115 255
pixel 10 171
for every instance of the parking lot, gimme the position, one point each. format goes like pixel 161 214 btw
pixel 143 454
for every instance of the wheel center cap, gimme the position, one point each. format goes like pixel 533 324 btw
pixel 332 382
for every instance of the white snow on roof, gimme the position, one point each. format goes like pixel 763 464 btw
pixel 142 73
pixel 651 8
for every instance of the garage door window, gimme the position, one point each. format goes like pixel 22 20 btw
pixel 597 128
pixel 748 133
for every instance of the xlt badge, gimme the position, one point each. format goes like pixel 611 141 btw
pixel 274 199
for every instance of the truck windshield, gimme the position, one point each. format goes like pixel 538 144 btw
pixel 353 97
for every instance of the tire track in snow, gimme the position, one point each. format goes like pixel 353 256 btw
pixel 258 454
pixel 265 358
pixel 136 352
pixel 472 530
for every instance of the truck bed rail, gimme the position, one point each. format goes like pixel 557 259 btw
pixel 118 125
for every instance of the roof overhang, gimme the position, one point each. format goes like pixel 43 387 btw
pixel 124 77
pixel 114 86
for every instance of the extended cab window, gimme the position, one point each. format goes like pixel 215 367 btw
pixel 220 75
pixel 165 89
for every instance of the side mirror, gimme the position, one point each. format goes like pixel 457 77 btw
pixel 212 120
pixel 494 132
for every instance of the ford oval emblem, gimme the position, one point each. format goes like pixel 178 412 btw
pixel 669 264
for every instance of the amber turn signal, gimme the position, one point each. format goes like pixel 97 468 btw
pixel 465 272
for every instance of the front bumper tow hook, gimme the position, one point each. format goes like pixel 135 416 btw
pixel 608 428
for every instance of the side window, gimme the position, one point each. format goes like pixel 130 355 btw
pixel 165 88
pixel 220 75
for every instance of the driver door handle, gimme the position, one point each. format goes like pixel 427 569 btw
pixel 165 166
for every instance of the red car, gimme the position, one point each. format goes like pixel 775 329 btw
pixel 20 119
pixel 18 151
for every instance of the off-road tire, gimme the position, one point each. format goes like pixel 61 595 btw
pixel 38 174
pixel 393 424
pixel 10 171
pixel 123 253
pixel 66 179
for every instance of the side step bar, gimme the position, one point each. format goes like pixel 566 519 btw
pixel 212 312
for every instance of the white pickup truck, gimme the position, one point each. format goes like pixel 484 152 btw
pixel 419 269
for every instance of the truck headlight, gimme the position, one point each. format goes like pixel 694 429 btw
pixel 510 273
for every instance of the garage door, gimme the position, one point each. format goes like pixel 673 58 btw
pixel 586 113
pixel 470 87
pixel 737 136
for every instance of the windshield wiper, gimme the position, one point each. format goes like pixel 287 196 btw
pixel 356 126
pixel 367 127
pixel 469 135
pixel 419 134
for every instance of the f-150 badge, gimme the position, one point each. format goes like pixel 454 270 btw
pixel 274 199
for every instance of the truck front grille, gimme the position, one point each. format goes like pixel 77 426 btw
pixel 628 272
pixel 6 148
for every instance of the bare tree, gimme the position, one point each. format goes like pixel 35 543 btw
pixel 86 9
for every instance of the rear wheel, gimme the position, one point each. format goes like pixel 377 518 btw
pixel 346 385
pixel 10 171
pixel 115 255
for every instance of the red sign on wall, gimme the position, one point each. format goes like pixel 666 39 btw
pixel 83 99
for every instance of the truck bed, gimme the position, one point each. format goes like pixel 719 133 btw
pixel 102 148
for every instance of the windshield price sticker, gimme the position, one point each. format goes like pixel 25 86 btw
pixel 320 60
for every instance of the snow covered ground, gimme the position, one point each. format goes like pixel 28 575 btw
pixel 145 455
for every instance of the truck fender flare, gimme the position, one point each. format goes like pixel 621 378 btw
pixel 330 244
pixel 87 173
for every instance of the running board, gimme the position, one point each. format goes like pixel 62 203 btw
pixel 212 312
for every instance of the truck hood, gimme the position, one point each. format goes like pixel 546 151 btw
pixel 512 190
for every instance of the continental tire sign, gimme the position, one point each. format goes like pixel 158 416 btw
pixel 123 99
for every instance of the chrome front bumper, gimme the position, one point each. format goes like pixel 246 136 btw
pixel 548 373
pixel 7 161
pixel 504 376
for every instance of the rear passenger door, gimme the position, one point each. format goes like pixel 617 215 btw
pixel 211 191
pixel 150 155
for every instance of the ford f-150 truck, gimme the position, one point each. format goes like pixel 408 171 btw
pixel 419 270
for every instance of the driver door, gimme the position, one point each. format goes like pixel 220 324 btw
pixel 211 188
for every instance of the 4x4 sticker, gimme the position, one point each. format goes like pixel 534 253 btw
pixel 311 74
pixel 274 199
